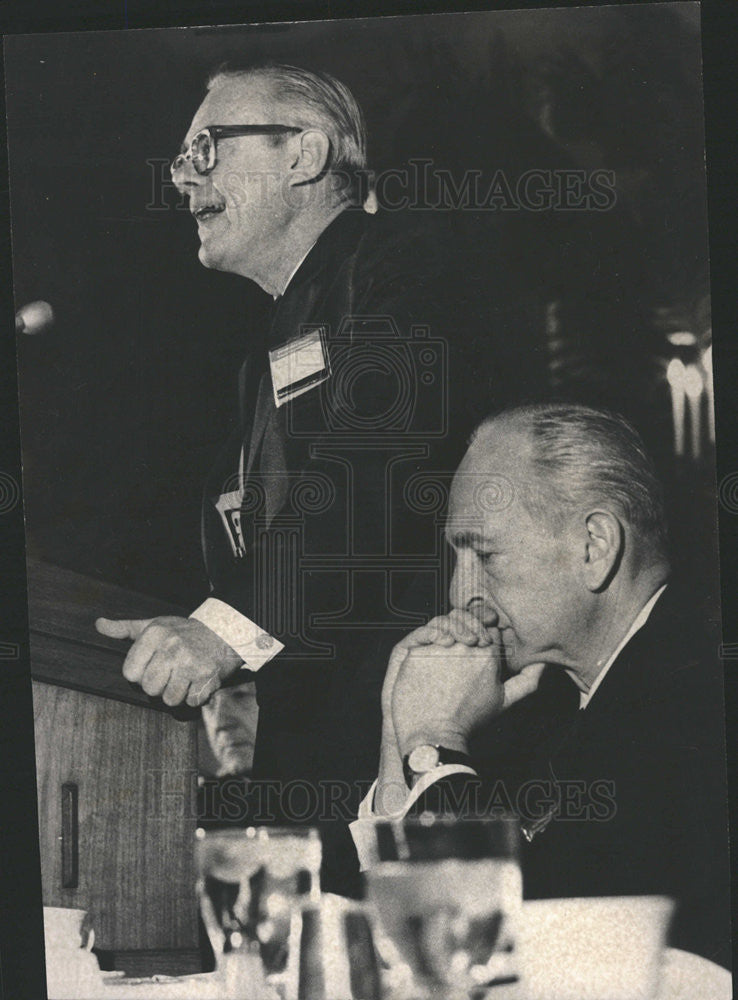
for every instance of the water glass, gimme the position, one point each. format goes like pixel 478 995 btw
pixel 448 898
pixel 250 883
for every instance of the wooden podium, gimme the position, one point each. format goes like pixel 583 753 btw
pixel 117 779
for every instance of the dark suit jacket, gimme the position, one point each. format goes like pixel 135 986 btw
pixel 640 774
pixel 344 551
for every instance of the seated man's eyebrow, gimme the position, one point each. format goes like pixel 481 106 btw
pixel 470 539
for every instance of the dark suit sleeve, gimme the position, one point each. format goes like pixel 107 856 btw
pixel 506 752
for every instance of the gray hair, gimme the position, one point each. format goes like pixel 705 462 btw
pixel 585 456
pixel 315 100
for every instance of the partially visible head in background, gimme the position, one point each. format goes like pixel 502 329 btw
pixel 230 718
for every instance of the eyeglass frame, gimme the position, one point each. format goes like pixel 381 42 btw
pixel 217 132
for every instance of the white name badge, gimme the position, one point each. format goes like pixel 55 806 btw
pixel 299 365
pixel 229 508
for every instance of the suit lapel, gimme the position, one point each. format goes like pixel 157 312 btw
pixel 268 447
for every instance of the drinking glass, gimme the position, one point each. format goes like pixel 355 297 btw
pixel 250 883
pixel 448 897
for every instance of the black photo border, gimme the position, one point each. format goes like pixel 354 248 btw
pixel 21 937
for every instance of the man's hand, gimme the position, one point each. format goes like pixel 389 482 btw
pixel 440 692
pixel 443 692
pixel 179 659
pixel 445 631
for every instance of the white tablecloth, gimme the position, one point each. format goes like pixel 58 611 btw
pixel 684 977
pixel 689 977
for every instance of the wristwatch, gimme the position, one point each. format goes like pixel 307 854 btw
pixel 427 757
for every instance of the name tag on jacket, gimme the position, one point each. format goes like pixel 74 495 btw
pixel 229 508
pixel 299 365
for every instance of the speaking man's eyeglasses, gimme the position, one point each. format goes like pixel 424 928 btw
pixel 203 151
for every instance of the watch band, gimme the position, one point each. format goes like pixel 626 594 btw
pixel 443 755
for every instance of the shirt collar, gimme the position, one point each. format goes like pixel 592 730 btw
pixel 295 269
pixel 341 233
pixel 586 696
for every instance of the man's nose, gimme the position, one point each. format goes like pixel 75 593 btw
pixel 468 592
pixel 184 175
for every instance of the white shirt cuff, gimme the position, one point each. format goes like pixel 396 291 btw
pixel 362 829
pixel 255 646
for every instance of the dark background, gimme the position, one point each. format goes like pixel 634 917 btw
pixel 21 945
pixel 125 401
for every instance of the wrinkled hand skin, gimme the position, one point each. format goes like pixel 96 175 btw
pixel 442 693
pixel 443 680
pixel 178 659
pixel 444 631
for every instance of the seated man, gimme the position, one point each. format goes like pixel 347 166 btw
pixel 612 755
pixel 230 718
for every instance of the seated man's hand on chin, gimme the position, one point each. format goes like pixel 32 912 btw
pixel 178 659
pixel 443 680
pixel 443 632
pixel 443 691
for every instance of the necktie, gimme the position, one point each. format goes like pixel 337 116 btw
pixel 272 461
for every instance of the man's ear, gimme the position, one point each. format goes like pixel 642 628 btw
pixel 604 548
pixel 311 157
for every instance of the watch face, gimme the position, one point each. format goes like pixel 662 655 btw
pixel 423 758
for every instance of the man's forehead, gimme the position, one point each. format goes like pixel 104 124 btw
pixel 228 695
pixel 502 443
pixel 498 454
pixel 487 482
pixel 239 691
pixel 468 523
pixel 233 101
